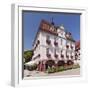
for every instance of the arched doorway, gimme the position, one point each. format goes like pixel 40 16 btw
pixel 60 63
pixel 49 63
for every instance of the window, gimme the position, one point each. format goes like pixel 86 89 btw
pixel 55 51
pixel 47 50
pixel 47 53
pixel 61 33
pixel 54 38
pixel 61 51
pixel 55 41
pixel 61 41
pixel 56 56
pixel 48 37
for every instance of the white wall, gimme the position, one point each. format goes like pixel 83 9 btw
pixel 44 45
pixel 5 47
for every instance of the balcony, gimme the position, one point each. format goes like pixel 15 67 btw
pixel 48 55
pixel 56 43
pixel 48 41
pixel 56 56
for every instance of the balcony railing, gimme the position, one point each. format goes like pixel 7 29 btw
pixel 48 41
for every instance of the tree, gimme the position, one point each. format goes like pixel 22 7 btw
pixel 28 55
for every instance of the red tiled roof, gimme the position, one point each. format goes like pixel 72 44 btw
pixel 77 44
pixel 45 26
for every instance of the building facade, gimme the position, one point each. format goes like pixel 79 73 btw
pixel 52 46
pixel 77 52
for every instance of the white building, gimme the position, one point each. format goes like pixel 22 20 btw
pixel 77 51
pixel 53 46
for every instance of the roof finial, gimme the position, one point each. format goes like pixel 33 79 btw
pixel 52 21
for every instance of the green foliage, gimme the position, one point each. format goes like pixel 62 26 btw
pixel 62 68
pixel 50 70
pixel 32 67
pixel 76 66
pixel 28 55
pixel 68 67
pixel 55 69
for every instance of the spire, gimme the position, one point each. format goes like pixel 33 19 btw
pixel 52 21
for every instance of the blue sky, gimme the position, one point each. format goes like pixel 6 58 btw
pixel 31 22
